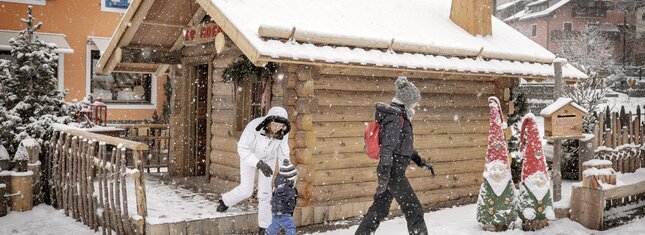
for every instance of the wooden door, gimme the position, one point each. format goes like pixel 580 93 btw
pixel 201 119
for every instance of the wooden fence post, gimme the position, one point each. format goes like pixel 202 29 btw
pixel 586 152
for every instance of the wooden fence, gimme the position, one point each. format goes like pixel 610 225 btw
pixel 88 179
pixel 156 136
pixel 620 139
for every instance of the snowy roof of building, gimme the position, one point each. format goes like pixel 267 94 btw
pixel 527 14
pixel 538 2
pixel 558 104
pixel 57 39
pixel 417 34
pixel 508 4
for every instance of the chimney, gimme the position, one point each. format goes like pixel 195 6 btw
pixel 474 16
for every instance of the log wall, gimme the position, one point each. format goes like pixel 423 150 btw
pixel 450 127
pixel 224 160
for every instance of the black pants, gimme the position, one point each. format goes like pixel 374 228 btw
pixel 398 188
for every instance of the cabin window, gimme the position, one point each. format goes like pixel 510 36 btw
pixel 35 2
pixel 568 26
pixel 119 6
pixel 533 30
pixel 119 88
pixel 249 102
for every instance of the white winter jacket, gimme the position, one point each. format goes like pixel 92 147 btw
pixel 254 146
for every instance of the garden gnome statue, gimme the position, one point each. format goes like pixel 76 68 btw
pixel 535 201
pixel 496 203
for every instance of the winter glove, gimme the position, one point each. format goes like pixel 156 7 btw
pixel 422 163
pixel 383 174
pixel 266 169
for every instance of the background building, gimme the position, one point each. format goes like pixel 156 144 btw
pixel 81 29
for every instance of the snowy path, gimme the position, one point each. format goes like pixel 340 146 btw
pixel 45 219
pixel 461 221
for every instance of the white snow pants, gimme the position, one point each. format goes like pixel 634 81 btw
pixel 245 190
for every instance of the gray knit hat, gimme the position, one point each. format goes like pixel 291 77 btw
pixel 288 171
pixel 405 91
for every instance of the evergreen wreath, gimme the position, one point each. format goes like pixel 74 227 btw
pixel 242 67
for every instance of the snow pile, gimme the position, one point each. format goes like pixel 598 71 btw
pixel 595 171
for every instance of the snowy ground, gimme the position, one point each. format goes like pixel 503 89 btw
pixel 456 220
pixel 630 103
pixel 168 203
pixel 461 220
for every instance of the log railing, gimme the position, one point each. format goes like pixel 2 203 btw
pixel 156 136
pixel 620 139
pixel 89 179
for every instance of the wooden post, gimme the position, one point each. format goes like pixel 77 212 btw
pixel 140 191
pixel 103 222
pixel 21 191
pixel 126 215
pixel 586 151
pixel 113 214
pixel 3 204
pixel 557 144
pixel 116 164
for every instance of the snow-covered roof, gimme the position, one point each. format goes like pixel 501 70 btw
pixel 526 14
pixel 58 39
pixel 100 42
pixel 538 2
pixel 558 104
pixel 508 4
pixel 419 33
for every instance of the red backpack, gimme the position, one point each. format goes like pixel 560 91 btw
pixel 372 141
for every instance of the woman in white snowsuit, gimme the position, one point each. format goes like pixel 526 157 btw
pixel 397 149
pixel 263 140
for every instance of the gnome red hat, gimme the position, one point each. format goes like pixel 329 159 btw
pixel 531 147
pixel 497 149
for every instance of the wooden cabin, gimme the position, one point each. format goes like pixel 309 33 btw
pixel 335 61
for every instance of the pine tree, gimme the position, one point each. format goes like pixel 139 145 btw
pixel 521 108
pixel 31 99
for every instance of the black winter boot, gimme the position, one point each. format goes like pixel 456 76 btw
pixel 221 207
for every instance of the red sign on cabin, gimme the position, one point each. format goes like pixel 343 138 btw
pixel 201 33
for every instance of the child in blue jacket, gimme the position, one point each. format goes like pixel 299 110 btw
pixel 283 201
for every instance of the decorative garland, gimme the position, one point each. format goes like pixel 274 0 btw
pixel 242 67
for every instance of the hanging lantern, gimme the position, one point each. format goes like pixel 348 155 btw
pixel 99 112
pixel 85 112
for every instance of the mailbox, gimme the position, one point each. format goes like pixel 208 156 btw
pixel 563 119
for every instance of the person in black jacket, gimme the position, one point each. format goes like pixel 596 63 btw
pixel 397 149
pixel 283 202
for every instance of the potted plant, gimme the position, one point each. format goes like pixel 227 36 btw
pixel 4 159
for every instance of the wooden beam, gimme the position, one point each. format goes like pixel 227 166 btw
pixel 162 24
pixel 150 56
pixel 232 32
pixel 123 34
